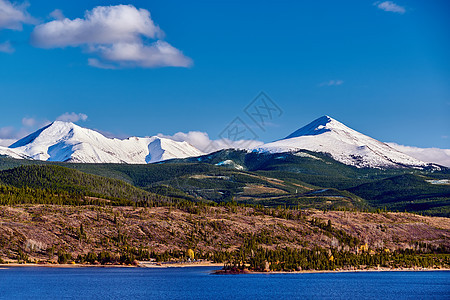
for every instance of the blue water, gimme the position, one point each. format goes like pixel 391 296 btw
pixel 198 283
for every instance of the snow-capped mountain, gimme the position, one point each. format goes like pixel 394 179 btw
pixel 67 142
pixel 344 144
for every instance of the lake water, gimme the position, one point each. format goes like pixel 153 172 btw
pixel 198 283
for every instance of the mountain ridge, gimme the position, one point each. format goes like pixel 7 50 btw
pixel 68 142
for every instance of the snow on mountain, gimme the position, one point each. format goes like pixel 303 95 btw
pixel 65 141
pixel 344 144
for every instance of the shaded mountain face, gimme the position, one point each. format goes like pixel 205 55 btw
pixel 344 144
pixel 67 142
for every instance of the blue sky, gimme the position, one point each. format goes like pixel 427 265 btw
pixel 382 68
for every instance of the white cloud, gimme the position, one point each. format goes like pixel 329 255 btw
pixel 102 25
pixel 57 14
pixel 72 117
pixel 119 35
pixel 7 142
pixel 157 54
pixel 6 132
pixel 430 155
pixel 390 6
pixel 332 83
pixel 10 134
pixel 29 122
pixel 6 47
pixel 13 16
pixel 201 141
pixel 93 62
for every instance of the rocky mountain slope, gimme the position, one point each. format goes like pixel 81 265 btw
pixel 41 230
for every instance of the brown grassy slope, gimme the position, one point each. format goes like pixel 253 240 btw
pixel 36 228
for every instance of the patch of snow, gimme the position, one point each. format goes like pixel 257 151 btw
pixel 230 163
pixel 440 181
pixel 307 155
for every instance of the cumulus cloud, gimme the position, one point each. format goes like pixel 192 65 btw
pixel 430 155
pixel 119 36
pixel 390 6
pixel 157 54
pixel 201 141
pixel 6 47
pixel 29 122
pixel 12 16
pixel 72 117
pixel 93 62
pixel 57 14
pixel 332 83
pixel 6 132
pixel 10 134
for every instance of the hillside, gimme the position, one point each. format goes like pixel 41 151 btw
pixel 40 231
pixel 304 180
pixel 409 192
pixel 42 183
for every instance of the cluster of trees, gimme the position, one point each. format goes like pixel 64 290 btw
pixel 128 256
pixel 10 195
pixel 103 257
pixel 289 259
pixel 255 257
pixel 252 256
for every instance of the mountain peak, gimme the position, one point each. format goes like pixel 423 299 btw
pixel 316 127
pixel 29 138
pixel 59 123
pixel 56 128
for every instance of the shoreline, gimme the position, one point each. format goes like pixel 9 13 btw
pixel 350 271
pixel 153 265
pixel 141 264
